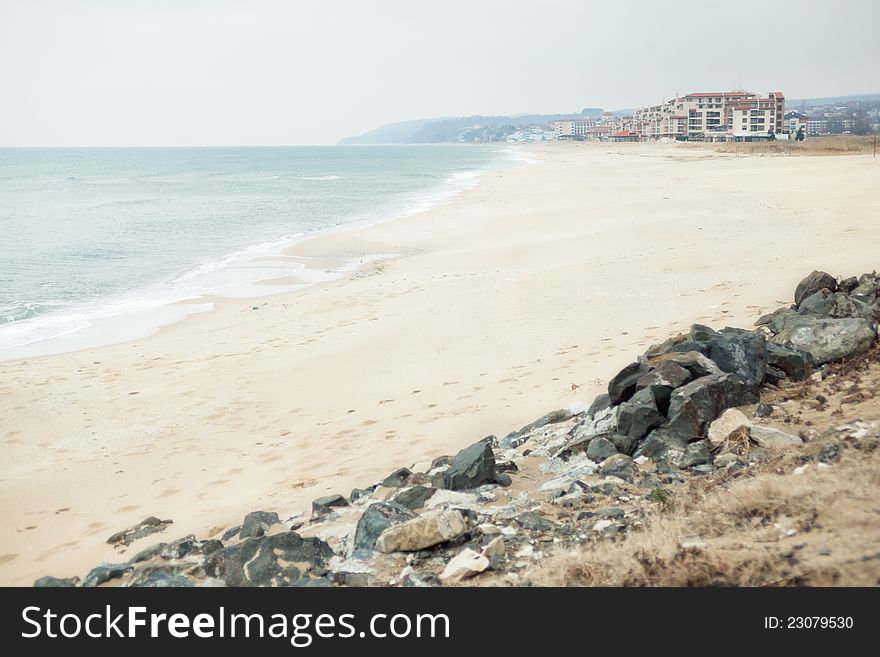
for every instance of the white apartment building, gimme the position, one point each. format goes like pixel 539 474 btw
pixel 711 116
pixel 573 128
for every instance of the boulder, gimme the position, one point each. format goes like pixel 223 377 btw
pixel 423 532
pixel 619 465
pixel 775 321
pixel 472 467
pixel 663 378
pixel 693 361
pixel 639 414
pixel 661 443
pixel 732 424
pixel 599 449
pixel 600 403
pixel 701 333
pixel 159 578
pixel 827 340
pixel 179 548
pixel 397 479
pixel 697 453
pixel 771 438
pixel 277 560
pixel 792 362
pixel 744 354
pixel 624 444
pixel 376 519
pixel 533 521
pixel 256 523
pixel 693 406
pixel 623 385
pixel 148 553
pixel 104 572
pixel 466 563
pixel 324 505
pixel 415 497
pixel 553 417
pixel 812 284
pixel 144 528
pixel 56 582
pixel 847 285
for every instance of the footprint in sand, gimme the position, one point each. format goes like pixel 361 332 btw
pixel 168 492
pixel 6 558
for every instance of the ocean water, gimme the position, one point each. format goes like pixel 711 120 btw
pixel 101 245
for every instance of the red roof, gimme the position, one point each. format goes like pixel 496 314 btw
pixel 625 133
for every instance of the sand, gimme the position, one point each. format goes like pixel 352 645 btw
pixel 523 295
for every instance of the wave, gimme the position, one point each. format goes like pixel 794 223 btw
pixel 329 177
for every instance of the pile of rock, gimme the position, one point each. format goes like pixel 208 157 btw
pixel 569 477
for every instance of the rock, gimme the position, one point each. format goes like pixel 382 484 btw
pixel 503 479
pixel 465 564
pixel 761 410
pixel 690 345
pixel 847 285
pixel 600 403
pixel 148 553
pixel 179 548
pixel 624 444
pixel 208 547
pixel 745 355
pixel 256 523
pixel 812 284
pixel 313 582
pixel 358 493
pixel 600 448
pixel 660 443
pixel 732 424
pixel 701 333
pixel 422 532
pixel 623 385
pixel 56 583
pixel 415 497
pixel 695 454
pixel 421 580
pixel 693 361
pixel 472 467
pixel 144 528
pixel 104 572
pixel 619 465
pixel 495 548
pixel 793 362
pixel 277 560
pixel 726 460
pixel 554 417
pixel 663 379
pixel 230 533
pixel 397 479
pixel 693 406
pixel 775 321
pixel 506 466
pixel 324 505
pixel 827 340
pixel 376 519
pixel 771 438
pixel 156 578
pixel 533 521
pixel 638 415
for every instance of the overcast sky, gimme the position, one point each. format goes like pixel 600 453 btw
pixel 215 72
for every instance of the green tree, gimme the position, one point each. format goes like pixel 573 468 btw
pixel 800 134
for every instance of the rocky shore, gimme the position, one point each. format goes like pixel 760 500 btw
pixel 697 406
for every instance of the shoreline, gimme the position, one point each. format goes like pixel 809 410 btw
pixel 489 318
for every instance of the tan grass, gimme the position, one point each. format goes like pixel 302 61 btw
pixel 824 145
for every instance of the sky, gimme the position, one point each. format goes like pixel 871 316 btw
pixel 273 72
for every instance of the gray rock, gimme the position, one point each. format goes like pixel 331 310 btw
pixel 693 361
pixel 623 385
pixel 179 548
pixel 376 519
pixel 764 410
pixel 144 528
pixel 397 479
pixel 148 553
pixel 324 505
pixel 600 448
pixel 639 414
pixel 415 497
pixel 533 521
pixel 104 572
pixel 701 333
pixel 266 561
pixel 619 465
pixel 256 523
pixel 847 285
pixel 313 582
pixel 697 453
pixel 600 403
pixel 358 493
pixel 230 533
pixel 553 417
pixel 696 404
pixel 157 578
pixel 663 378
pixel 421 580
pixel 660 443
pixel 624 444
pixel 792 362
pixel 472 467
pixel 573 447
pixel 56 582
pixel 503 479
pixel 744 354
pixel 506 466
pixel 812 284
pixel 775 321
pixel 827 340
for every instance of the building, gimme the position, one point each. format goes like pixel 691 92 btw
pixel 573 128
pixel 817 126
pixel 624 135
pixel 712 116
pixel 794 121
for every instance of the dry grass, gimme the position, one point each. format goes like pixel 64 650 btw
pixel 761 530
pixel 827 145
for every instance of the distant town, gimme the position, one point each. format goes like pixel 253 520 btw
pixel 700 116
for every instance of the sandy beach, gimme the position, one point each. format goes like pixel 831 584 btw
pixel 524 294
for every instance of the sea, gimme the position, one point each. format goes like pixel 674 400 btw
pixel 103 245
